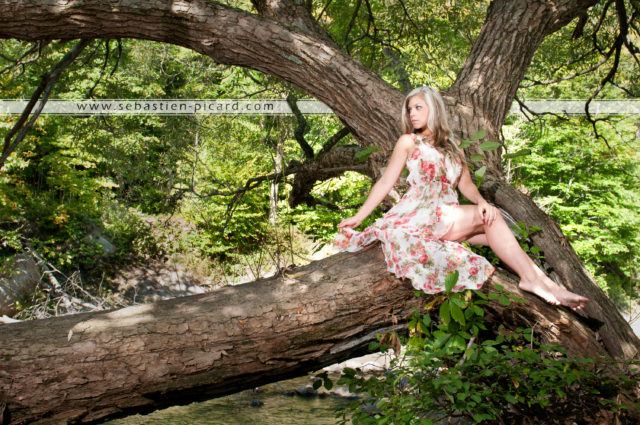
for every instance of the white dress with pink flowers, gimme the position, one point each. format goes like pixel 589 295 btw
pixel 410 232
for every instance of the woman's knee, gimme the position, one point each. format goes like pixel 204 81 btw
pixel 466 223
pixel 476 218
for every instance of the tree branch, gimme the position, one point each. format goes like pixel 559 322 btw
pixel 104 66
pixel 350 24
pixel 46 85
pixel 301 129
pixel 344 131
pixel 20 62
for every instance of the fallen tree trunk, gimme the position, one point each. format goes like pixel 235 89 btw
pixel 479 99
pixel 92 366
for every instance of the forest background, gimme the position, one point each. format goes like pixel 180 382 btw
pixel 174 187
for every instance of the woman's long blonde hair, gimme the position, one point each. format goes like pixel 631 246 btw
pixel 436 122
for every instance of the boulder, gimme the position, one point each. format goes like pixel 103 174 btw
pixel 19 276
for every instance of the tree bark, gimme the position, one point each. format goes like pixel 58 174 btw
pixel 92 366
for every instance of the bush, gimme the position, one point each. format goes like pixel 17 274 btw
pixel 453 369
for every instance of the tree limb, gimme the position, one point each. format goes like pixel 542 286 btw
pixel 20 62
pixel 301 128
pixel 20 129
pixel 344 131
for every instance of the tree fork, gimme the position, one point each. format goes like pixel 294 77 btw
pixel 92 366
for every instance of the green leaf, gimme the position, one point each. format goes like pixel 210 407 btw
pixel 479 134
pixel 328 383
pixel 510 398
pixel 504 300
pixel 317 384
pixel 489 146
pixel 444 312
pixel 457 314
pixel 450 281
pixel 364 154
pixel 480 171
pixel 480 294
pixel 469 352
pixel 457 342
pixel 479 417
pixel 319 247
pixel 457 301
pixel 477 157
pixel 465 144
pixel 441 340
pixel 349 372
pixel 521 152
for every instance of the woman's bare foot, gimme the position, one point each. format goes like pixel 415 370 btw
pixel 553 293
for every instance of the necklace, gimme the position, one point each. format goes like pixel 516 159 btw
pixel 425 139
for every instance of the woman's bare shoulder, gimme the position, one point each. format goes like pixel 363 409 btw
pixel 406 142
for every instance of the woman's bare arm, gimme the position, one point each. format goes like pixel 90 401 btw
pixel 488 212
pixel 404 147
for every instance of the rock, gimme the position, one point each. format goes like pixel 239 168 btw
pixel 7 319
pixel 157 280
pixel 19 276
pixel 98 238
pixel 256 403
pixel 344 392
pixel 370 363
pixel 306 391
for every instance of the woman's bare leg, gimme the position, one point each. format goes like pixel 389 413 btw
pixel 479 239
pixel 468 226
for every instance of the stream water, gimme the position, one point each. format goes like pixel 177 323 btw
pixel 280 406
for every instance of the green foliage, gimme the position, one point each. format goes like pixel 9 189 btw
pixel 522 234
pixel 415 36
pixel 563 54
pixel 590 190
pixel 351 189
pixel 455 367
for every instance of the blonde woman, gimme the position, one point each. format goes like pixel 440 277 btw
pixel 420 235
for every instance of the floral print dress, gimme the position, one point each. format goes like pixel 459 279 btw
pixel 411 231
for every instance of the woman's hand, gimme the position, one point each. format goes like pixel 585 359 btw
pixel 488 212
pixel 350 222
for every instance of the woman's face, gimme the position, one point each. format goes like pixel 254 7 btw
pixel 418 112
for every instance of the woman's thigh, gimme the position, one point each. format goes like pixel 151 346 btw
pixel 466 224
